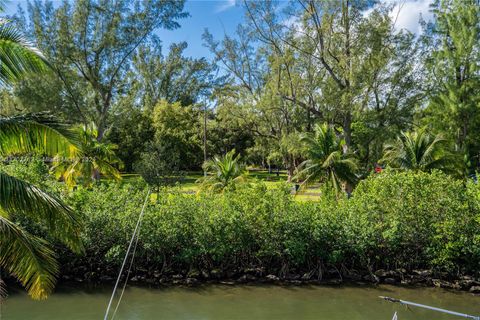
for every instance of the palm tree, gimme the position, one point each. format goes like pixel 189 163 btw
pixel 419 151
pixel 223 172
pixel 326 160
pixel 27 257
pixel 94 159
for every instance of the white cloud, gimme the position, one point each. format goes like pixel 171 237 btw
pixel 292 22
pixel 407 14
pixel 225 5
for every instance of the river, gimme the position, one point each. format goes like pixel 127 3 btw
pixel 215 302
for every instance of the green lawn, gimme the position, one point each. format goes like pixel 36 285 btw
pixel 187 183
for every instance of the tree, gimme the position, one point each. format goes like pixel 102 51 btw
pixel 419 151
pixel 26 257
pixel 180 129
pixel 173 77
pixel 45 92
pixel 223 172
pixel 159 165
pixel 251 101
pixel 340 62
pixel 30 258
pixel 96 40
pixel 452 62
pixel 132 130
pixel 326 160
pixel 338 49
pixel 95 158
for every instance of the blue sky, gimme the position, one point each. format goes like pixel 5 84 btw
pixel 222 17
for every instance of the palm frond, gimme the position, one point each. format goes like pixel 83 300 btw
pixel 28 258
pixel 18 56
pixel 94 157
pixel 36 133
pixel 17 196
pixel 3 291
pixel 223 172
pixel 326 159
pixel 419 151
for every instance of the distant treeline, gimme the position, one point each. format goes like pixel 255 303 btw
pixel 344 63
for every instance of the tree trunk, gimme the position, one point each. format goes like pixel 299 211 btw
pixel 290 171
pixel 101 127
pixel 347 131
pixel 96 175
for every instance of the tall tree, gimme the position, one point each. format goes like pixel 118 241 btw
pixel 251 98
pixel 97 39
pixel 323 61
pixel 332 37
pixel 452 62
pixel 171 77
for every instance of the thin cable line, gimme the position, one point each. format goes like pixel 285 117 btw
pixel 126 255
pixel 128 273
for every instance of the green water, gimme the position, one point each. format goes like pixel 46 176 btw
pixel 241 302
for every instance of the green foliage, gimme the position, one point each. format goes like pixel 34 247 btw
pixel 94 158
pixel 361 75
pixel 38 133
pixel 132 132
pixel 414 219
pixel 84 45
pixel 180 128
pixel 159 165
pixel 223 172
pixel 29 169
pixel 45 93
pixel 452 55
pixel 418 150
pixel 173 78
pixel 326 159
pixel 26 256
pixel 394 220
pixel 18 56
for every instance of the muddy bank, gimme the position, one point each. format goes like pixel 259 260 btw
pixel 402 277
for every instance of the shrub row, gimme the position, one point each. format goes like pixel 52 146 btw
pixel 394 220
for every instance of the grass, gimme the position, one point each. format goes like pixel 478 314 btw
pixel 188 184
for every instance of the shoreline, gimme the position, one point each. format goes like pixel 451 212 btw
pixel 415 279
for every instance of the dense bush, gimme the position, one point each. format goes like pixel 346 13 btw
pixel 416 220
pixel 393 220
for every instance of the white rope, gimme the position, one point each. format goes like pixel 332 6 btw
pixel 128 273
pixel 408 303
pixel 135 234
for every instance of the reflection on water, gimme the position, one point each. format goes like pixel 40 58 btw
pixel 241 302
